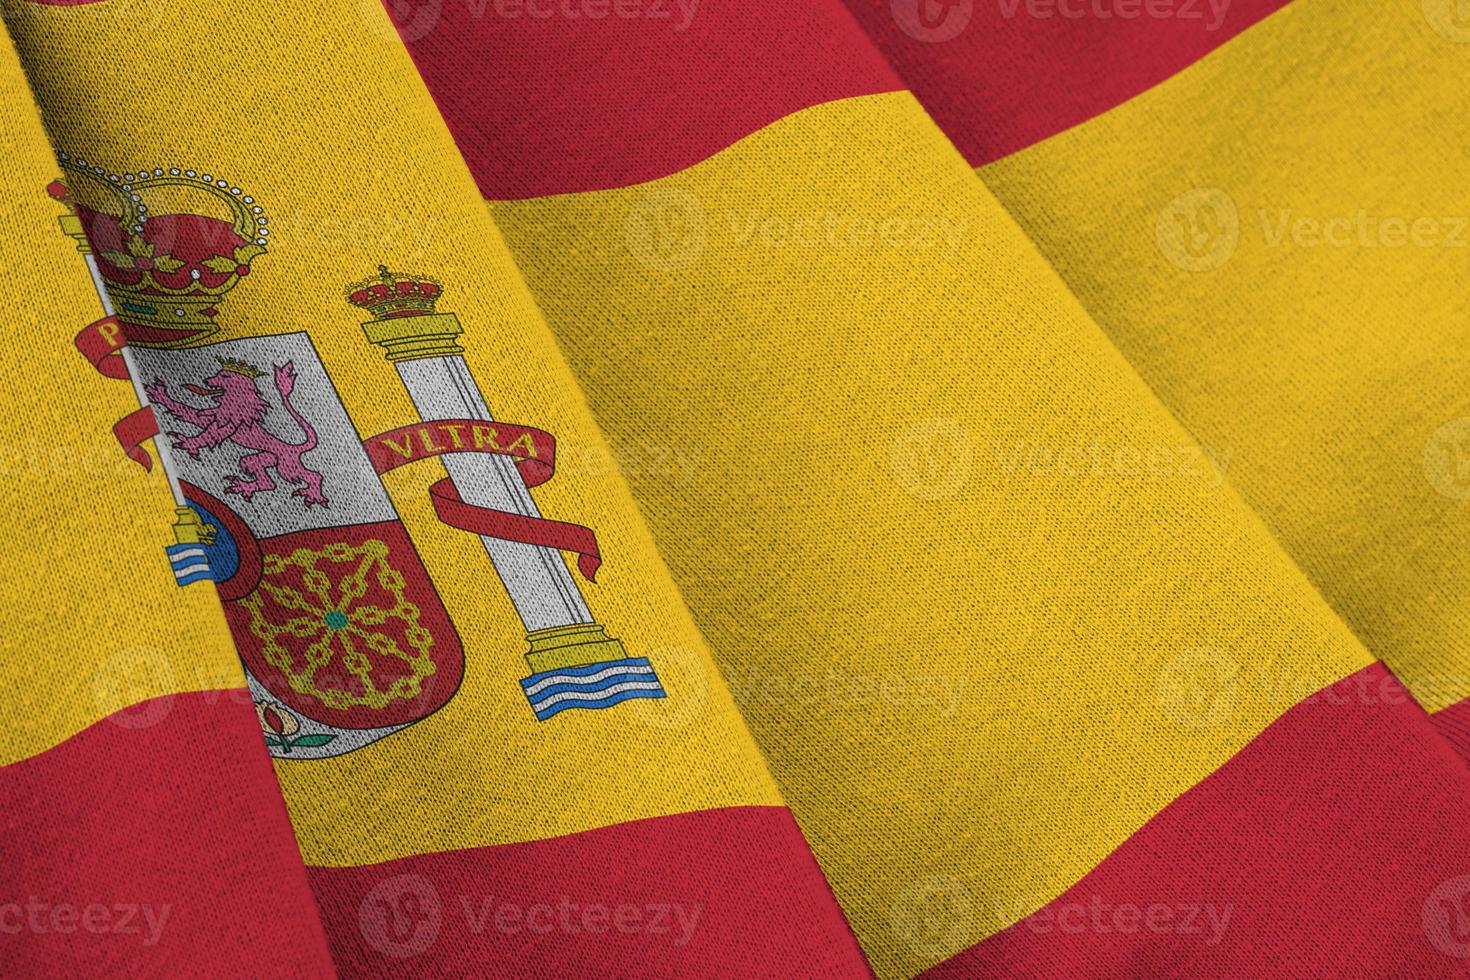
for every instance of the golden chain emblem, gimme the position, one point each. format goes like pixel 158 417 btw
pixel 341 628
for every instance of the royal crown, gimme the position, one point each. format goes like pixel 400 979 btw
pixel 239 367
pixel 390 294
pixel 168 243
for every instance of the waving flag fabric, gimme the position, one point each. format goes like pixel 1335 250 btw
pixel 1283 276
pixel 933 487
pixel 1317 323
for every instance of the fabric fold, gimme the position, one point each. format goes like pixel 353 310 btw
pixel 143 832
pixel 1022 598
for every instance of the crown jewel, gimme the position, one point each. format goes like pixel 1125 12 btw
pixel 169 243
pixel 390 294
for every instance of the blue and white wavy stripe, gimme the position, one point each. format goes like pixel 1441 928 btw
pixel 190 564
pixel 591 686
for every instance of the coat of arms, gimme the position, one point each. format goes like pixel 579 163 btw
pixel 280 502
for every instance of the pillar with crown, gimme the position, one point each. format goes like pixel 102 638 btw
pixel 573 662
pixel 159 279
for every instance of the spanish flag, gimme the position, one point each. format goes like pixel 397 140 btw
pixel 581 488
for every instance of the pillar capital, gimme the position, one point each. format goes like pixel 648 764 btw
pixel 407 337
pixel 71 226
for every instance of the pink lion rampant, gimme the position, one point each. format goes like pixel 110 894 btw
pixel 237 416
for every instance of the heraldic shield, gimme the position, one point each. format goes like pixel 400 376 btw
pixel 341 631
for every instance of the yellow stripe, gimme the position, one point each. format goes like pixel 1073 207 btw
pixel 985 607
pixel 332 131
pixel 93 620
pixel 1315 322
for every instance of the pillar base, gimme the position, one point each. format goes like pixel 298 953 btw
pixel 190 529
pixel 572 646
pixel 580 666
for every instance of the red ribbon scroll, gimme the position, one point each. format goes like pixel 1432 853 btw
pixel 517 527
pixel 101 344
pixel 132 431
pixel 534 452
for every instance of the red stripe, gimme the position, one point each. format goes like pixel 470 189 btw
pixel 1453 724
pixel 1019 71
pixel 717 893
pixel 554 104
pixel 1333 844
pixel 155 843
